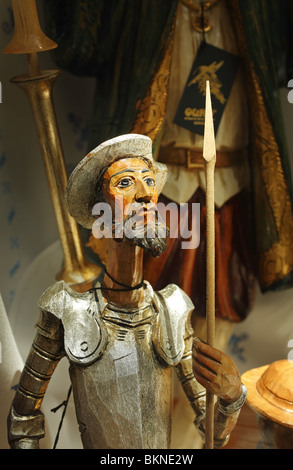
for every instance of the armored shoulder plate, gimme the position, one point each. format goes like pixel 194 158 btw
pixel 85 336
pixel 173 323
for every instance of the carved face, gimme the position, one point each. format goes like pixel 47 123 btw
pixel 129 187
pixel 130 180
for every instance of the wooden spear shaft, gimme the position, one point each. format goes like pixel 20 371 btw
pixel 209 154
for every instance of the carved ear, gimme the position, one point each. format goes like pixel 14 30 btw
pixel 161 172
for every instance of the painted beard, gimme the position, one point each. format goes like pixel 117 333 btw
pixel 144 226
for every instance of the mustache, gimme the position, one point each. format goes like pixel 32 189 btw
pixel 145 227
pixel 140 209
pixel 141 220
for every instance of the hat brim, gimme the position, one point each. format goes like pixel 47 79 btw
pixel 258 403
pixel 81 187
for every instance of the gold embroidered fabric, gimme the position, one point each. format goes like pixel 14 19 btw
pixel 152 108
pixel 275 262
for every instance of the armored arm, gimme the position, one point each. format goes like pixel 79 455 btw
pixel 25 420
pixel 194 391
pixel 226 416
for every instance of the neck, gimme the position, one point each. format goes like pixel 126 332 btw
pixel 125 265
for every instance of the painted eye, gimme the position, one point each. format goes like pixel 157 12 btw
pixel 150 181
pixel 125 183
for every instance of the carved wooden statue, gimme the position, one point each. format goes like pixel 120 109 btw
pixel 121 338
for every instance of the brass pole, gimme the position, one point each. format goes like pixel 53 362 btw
pixel 29 39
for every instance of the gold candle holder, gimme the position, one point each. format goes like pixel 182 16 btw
pixel 29 39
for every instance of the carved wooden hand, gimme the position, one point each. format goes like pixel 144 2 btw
pixel 215 371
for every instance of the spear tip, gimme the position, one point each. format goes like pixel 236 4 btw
pixel 209 143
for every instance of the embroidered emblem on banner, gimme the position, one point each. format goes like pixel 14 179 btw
pixel 220 68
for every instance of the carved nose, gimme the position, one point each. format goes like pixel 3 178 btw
pixel 144 192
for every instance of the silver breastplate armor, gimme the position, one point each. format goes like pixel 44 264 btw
pixel 120 364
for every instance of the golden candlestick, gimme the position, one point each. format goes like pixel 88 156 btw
pixel 29 39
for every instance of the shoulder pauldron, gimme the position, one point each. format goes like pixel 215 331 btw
pixel 172 325
pixel 85 336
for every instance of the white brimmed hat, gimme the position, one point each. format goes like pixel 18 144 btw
pixel 81 187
